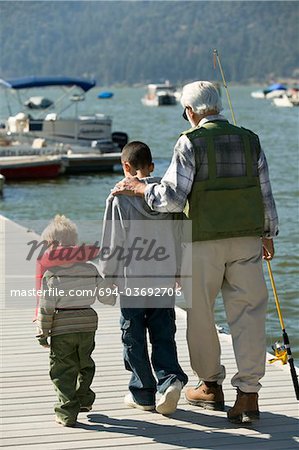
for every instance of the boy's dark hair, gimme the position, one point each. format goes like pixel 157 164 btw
pixel 137 154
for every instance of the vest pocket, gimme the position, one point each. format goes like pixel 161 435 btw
pixel 227 213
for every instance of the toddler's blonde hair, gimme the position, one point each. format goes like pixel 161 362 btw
pixel 61 230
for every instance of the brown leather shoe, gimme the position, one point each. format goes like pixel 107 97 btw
pixel 245 409
pixel 208 395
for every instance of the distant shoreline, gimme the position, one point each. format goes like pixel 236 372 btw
pixel 249 83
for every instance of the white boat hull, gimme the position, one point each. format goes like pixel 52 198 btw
pixel 285 102
pixel 257 94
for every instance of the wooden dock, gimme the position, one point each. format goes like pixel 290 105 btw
pixel 27 395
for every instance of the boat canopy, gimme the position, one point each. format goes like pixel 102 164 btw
pixel 32 82
pixel 275 87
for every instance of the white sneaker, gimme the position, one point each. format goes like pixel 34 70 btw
pixel 169 400
pixel 129 401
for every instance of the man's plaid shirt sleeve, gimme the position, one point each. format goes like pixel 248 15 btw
pixel 170 195
pixel 271 217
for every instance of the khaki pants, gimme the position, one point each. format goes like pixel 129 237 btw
pixel 234 267
pixel 72 370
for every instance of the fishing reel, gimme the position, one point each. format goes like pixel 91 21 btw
pixel 280 353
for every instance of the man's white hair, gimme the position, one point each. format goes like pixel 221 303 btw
pixel 61 230
pixel 202 96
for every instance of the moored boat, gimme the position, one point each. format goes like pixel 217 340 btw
pixel 77 163
pixel 55 127
pixel 31 167
pixel 272 91
pixel 160 95
pixel 20 162
pixel 289 99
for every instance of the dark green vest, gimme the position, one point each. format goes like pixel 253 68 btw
pixel 224 203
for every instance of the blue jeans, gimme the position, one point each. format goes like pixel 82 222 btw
pixel 160 323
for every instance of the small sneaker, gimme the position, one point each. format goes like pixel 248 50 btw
pixel 64 423
pixel 85 408
pixel 129 401
pixel 169 400
pixel 208 395
pixel 245 409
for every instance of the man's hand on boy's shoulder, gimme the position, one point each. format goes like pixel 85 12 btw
pixel 43 341
pixel 129 186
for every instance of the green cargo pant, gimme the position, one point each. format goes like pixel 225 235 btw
pixel 72 370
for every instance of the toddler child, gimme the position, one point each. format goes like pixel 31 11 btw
pixel 66 317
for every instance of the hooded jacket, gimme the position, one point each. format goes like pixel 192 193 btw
pixel 55 257
pixel 140 247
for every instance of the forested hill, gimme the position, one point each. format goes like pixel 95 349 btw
pixel 142 41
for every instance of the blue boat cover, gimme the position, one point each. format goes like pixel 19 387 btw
pixel 275 87
pixel 31 82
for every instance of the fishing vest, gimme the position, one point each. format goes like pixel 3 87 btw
pixel 226 199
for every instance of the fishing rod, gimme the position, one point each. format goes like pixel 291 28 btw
pixel 284 334
pixel 287 347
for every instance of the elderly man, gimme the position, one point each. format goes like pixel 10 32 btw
pixel 219 176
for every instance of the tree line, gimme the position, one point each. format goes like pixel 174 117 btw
pixel 146 41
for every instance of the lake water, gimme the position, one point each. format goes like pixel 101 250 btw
pixel 83 197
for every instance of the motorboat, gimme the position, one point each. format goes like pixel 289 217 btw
pixel 74 159
pixel 31 167
pixel 289 99
pixel 160 95
pixel 78 144
pixel 79 163
pixel 272 91
pixel 88 130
